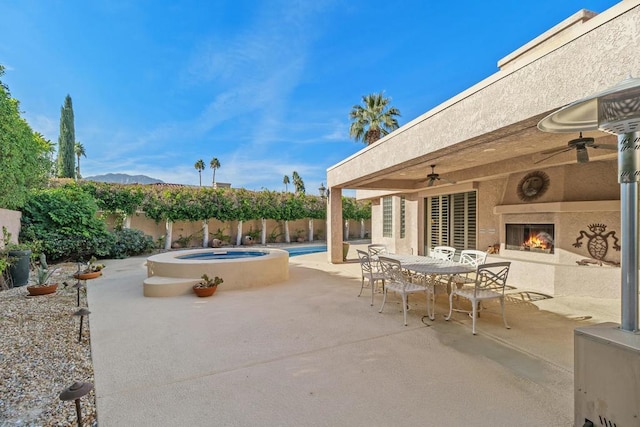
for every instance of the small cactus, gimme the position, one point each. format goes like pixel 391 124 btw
pixel 43 261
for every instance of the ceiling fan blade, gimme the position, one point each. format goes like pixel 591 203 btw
pixel 548 157
pixel 448 181
pixel 583 155
pixel 557 150
pixel 605 146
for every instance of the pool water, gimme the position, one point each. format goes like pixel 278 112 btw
pixel 223 255
pixel 306 250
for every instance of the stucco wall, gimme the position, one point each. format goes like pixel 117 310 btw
pixel 11 221
pixel 596 180
pixel 490 194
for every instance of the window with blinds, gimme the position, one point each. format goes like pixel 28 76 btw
pixel 451 221
pixel 387 217
pixel 438 221
pixel 402 217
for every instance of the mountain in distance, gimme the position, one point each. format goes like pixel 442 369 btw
pixel 123 178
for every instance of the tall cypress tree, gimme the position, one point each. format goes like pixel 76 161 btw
pixel 66 141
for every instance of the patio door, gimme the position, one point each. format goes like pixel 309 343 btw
pixel 451 220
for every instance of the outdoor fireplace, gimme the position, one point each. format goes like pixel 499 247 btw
pixel 530 237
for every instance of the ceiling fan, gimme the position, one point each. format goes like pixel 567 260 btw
pixel 433 177
pixel 580 145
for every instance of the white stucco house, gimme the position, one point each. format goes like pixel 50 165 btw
pixel 497 186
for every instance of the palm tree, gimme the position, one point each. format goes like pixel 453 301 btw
pixel 286 182
pixel 298 183
pixel 374 120
pixel 200 166
pixel 78 148
pixel 214 164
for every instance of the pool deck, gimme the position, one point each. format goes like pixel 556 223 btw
pixel 308 352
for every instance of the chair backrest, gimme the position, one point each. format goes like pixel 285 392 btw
pixel 492 276
pixel 392 269
pixel 365 261
pixel 443 252
pixel 376 249
pixel 472 257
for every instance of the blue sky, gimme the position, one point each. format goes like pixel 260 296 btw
pixel 264 86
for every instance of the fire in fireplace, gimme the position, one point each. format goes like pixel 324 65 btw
pixel 530 237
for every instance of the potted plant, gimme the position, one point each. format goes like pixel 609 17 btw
pixel 4 266
pixel 181 242
pixel 252 236
pixel 42 285
pixel 207 286
pixel 91 271
pixel 300 235
pixel 19 259
pixel 345 250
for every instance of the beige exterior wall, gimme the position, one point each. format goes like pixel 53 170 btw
pixel 490 194
pixel 11 221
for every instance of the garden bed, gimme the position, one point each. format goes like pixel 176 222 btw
pixel 40 356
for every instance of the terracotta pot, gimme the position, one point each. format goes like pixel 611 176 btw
pixel 204 292
pixel 42 290
pixel 85 276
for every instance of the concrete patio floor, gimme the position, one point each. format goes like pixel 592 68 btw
pixel 308 352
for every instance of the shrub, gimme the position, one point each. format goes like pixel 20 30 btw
pixel 64 221
pixel 62 247
pixel 129 242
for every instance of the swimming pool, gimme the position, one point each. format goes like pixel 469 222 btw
pixel 173 273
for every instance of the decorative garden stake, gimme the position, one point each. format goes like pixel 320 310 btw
pixel 78 286
pixel 82 312
pixel 75 392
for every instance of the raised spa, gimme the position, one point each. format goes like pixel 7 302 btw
pixel 174 273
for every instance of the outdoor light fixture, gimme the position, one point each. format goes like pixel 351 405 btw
pixel 82 312
pixel 75 392
pixel 615 111
pixel 78 286
pixel 322 189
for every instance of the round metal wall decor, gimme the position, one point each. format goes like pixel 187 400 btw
pixel 533 185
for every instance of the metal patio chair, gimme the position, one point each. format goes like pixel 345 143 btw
pixel 490 283
pixel 472 258
pixel 397 282
pixel 376 249
pixel 443 252
pixel 370 271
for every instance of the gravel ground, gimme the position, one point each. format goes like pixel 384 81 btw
pixel 40 356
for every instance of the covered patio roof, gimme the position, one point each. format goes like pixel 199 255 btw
pixel 512 149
